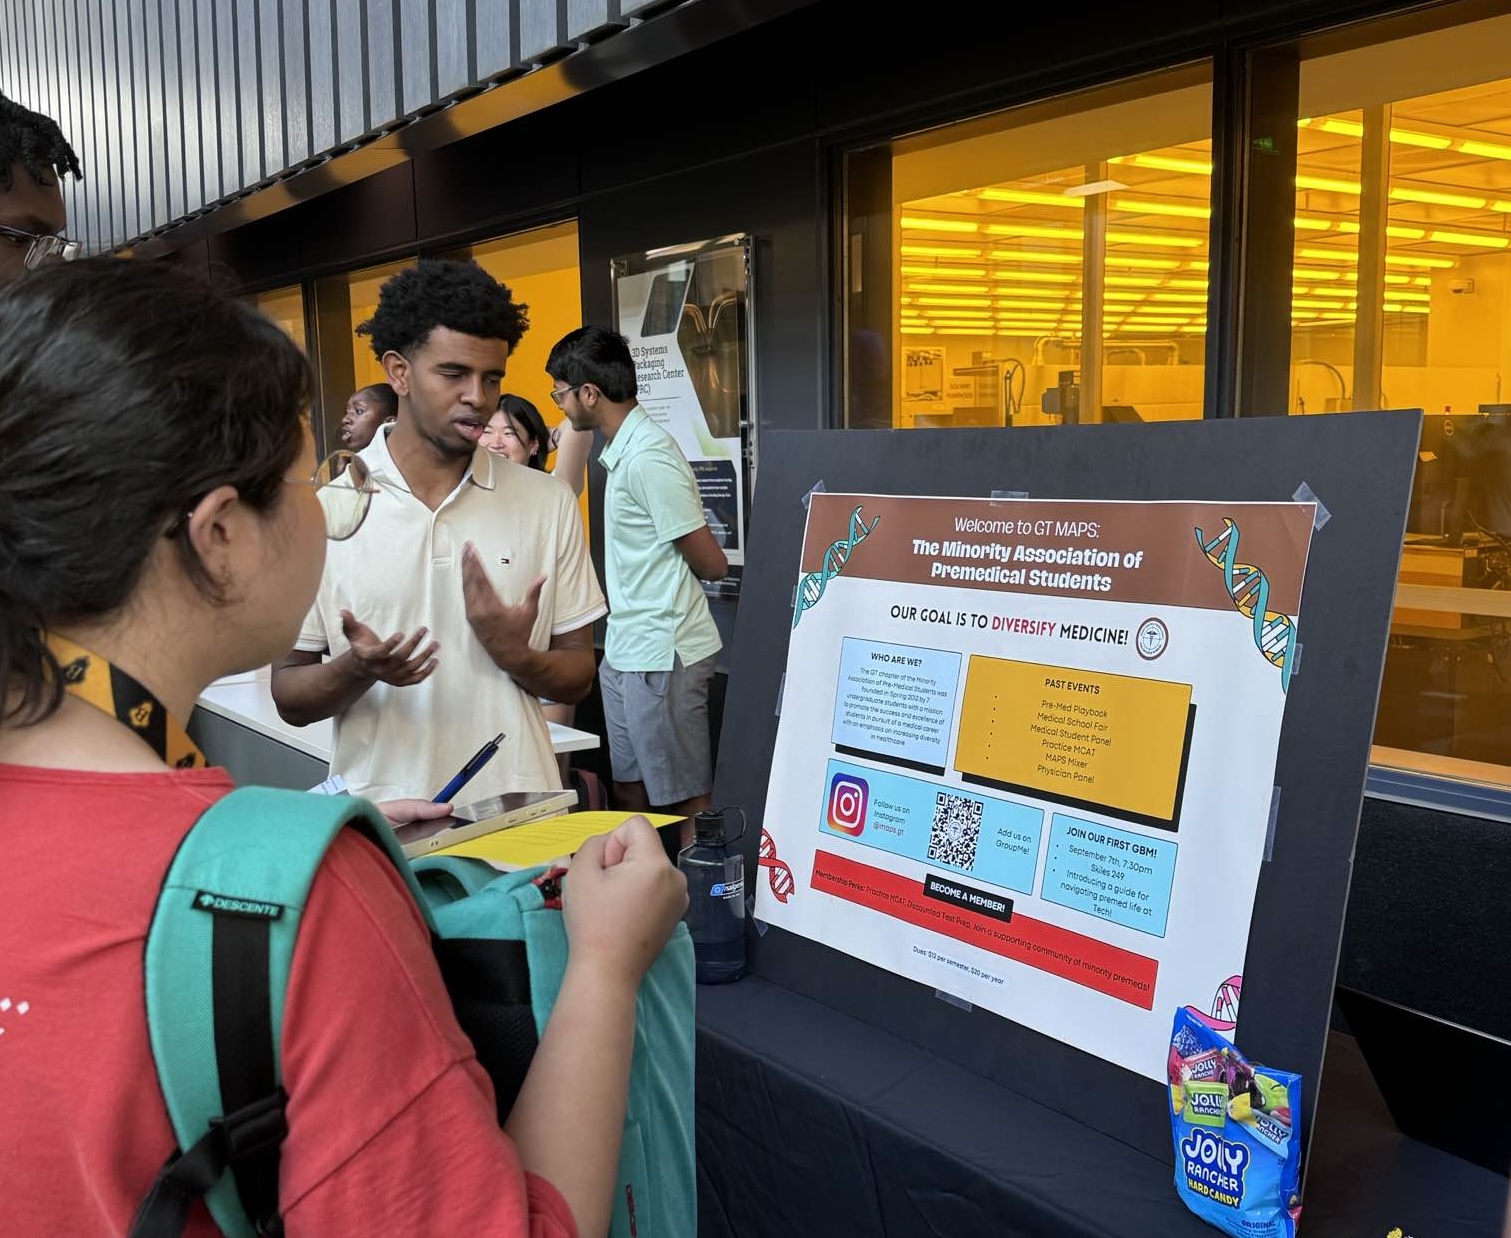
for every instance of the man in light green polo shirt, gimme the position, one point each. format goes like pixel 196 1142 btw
pixel 658 660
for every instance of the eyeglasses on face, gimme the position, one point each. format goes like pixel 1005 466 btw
pixel 41 247
pixel 342 484
pixel 345 489
pixel 562 393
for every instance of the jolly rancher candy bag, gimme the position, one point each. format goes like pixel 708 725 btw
pixel 1237 1130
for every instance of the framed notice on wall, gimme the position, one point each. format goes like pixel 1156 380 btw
pixel 685 311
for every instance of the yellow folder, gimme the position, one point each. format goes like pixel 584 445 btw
pixel 540 842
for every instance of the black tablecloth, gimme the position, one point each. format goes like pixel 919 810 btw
pixel 812 1123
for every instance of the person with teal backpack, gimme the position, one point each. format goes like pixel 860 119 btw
pixel 196 978
pixel 502 947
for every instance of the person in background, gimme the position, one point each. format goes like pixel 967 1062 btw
pixel 34 159
pixel 658 659
pixel 367 409
pixel 517 432
pixel 572 447
pixel 468 595
pixel 204 561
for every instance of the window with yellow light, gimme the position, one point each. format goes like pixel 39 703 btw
pixel 285 306
pixel 1042 266
pixel 1401 298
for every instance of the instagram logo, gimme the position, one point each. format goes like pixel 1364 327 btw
pixel 848 797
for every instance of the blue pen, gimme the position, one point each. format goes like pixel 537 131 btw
pixel 469 771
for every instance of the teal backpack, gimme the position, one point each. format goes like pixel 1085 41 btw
pixel 217 968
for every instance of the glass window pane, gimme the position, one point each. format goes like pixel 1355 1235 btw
pixel 1400 300
pixel 1043 266
pixel 363 288
pixel 285 306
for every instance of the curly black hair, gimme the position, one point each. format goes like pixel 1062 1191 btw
pixel 442 292
pixel 36 143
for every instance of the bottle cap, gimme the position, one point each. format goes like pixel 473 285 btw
pixel 708 827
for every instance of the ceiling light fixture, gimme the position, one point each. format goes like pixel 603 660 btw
pixel 918 223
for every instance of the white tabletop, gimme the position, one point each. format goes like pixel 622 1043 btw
pixel 248 700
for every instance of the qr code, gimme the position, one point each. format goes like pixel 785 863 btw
pixel 957 826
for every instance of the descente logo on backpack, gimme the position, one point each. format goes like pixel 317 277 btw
pixel 225 905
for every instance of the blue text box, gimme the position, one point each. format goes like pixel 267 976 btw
pixel 1110 874
pixel 896 701
pixel 994 840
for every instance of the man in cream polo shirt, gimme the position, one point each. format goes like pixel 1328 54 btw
pixel 468 592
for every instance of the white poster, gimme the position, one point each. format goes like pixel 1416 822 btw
pixel 1027 750
pixel 684 315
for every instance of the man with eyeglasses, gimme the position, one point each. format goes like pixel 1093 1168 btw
pixel 662 646
pixel 34 158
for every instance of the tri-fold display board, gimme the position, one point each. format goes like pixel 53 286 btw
pixel 1043 740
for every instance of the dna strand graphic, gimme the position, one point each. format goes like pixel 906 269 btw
pixel 1274 633
pixel 1223 1016
pixel 811 587
pixel 779 876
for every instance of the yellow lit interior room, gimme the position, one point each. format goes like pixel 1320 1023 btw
pixel 1402 299
pixel 363 288
pixel 285 306
pixel 1051 263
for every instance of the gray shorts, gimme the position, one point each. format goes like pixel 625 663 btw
pixel 658 729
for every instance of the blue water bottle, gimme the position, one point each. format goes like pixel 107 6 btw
pixel 715 917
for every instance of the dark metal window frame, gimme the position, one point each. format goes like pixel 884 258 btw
pixel 1255 88
pixel 1251 242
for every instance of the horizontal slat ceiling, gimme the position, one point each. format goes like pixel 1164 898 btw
pixel 177 106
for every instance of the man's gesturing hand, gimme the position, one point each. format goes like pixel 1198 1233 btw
pixel 392 661
pixel 503 629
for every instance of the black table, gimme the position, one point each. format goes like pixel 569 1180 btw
pixel 813 1123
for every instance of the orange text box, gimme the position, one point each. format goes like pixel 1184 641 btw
pixel 1090 736
pixel 1083 960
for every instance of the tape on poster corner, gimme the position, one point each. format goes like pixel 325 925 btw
pixel 1000 496
pixel 1305 494
pixel 816 488
pixel 781 689
pixel 1296 659
pixel 1269 829
pixel 760 925
pixel 953 1000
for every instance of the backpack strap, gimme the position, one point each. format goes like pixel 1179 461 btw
pixel 443 879
pixel 218 957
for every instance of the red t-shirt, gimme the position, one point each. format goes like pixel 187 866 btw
pixel 392 1127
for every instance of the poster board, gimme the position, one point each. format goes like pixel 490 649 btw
pixel 1359 467
pixel 1035 756
pixel 685 310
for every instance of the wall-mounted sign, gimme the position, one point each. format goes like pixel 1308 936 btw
pixel 685 311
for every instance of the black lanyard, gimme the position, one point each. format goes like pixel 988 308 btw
pixel 109 689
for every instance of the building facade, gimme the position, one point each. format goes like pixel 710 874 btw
pixel 979 215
